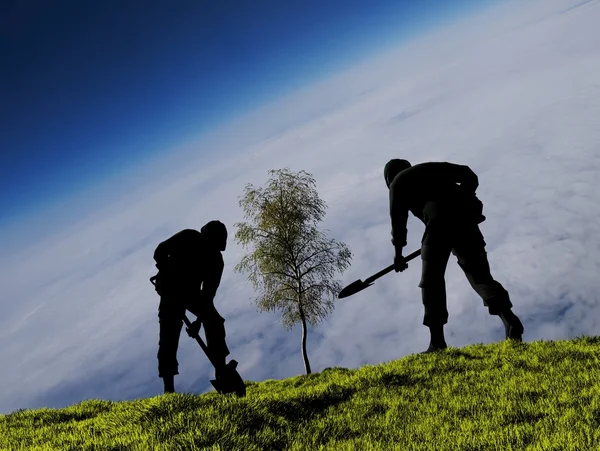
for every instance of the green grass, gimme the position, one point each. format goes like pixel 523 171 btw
pixel 503 396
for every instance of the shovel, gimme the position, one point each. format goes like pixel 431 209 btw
pixel 359 285
pixel 229 380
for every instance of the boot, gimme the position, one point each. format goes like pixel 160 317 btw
pixel 169 382
pixel 437 342
pixel 512 325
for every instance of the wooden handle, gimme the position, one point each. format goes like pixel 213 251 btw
pixel 390 268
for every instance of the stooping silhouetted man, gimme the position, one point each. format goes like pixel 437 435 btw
pixel 442 196
pixel 190 266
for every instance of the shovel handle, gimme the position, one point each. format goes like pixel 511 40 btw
pixel 390 268
pixel 188 324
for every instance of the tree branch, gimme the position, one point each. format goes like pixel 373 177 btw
pixel 314 285
pixel 321 263
pixel 281 273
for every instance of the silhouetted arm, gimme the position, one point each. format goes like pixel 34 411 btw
pixel 212 281
pixel 212 274
pixel 398 214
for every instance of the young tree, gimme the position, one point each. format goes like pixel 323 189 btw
pixel 293 263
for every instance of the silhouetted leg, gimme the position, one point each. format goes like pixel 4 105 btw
pixel 169 383
pixel 433 290
pixel 170 324
pixel 214 330
pixel 472 258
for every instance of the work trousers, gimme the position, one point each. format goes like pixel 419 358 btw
pixel 465 241
pixel 170 317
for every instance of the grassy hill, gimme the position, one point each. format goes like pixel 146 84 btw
pixel 503 396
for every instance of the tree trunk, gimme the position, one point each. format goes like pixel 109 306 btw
pixel 304 354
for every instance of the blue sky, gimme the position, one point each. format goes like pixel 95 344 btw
pixel 90 88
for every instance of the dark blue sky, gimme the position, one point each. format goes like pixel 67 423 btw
pixel 89 88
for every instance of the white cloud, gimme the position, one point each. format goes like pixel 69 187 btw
pixel 513 93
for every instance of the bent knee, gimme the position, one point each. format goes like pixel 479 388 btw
pixel 434 269
pixel 429 281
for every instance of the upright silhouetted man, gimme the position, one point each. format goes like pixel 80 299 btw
pixel 190 266
pixel 442 195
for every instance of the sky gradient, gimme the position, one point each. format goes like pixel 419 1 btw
pixel 512 92
pixel 90 89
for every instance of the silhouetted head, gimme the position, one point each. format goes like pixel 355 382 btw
pixel 393 168
pixel 216 234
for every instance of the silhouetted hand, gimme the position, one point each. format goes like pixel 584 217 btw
pixel 194 328
pixel 399 261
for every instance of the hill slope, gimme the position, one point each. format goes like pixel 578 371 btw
pixel 503 396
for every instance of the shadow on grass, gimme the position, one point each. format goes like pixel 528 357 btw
pixel 595 414
pixel 172 406
pixel 394 380
pixel 305 379
pixel 516 418
pixel 247 423
pixel 48 417
pixel 456 353
pixel 531 396
pixel 310 405
pixel 339 369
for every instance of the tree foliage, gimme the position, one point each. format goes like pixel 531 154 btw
pixel 292 264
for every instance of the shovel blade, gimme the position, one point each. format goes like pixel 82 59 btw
pixel 353 288
pixel 230 382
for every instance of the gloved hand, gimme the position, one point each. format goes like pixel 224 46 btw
pixel 194 328
pixel 399 261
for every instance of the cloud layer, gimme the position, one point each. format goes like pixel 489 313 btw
pixel 512 92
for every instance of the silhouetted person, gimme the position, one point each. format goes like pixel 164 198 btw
pixel 190 266
pixel 442 195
